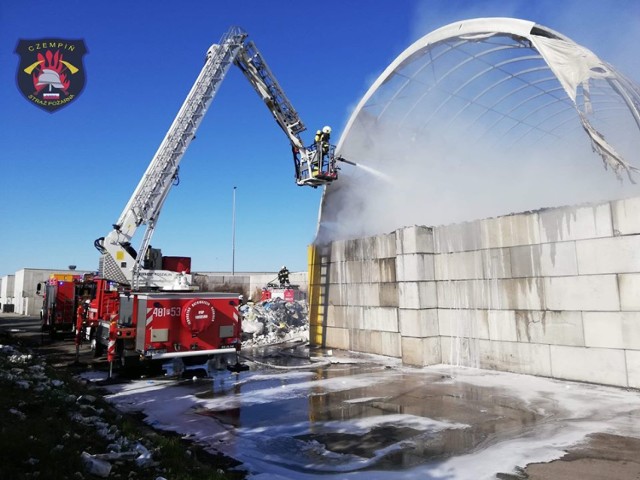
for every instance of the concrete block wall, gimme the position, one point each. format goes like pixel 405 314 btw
pixel 250 282
pixel 555 292
pixel 363 295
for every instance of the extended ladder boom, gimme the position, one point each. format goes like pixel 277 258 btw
pixel 313 166
pixel 120 262
pixel 255 69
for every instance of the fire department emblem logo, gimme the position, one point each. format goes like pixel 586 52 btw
pixel 51 73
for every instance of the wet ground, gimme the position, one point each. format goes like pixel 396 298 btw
pixel 356 416
pixel 300 414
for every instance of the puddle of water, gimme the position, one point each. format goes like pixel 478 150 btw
pixel 364 419
pixel 364 416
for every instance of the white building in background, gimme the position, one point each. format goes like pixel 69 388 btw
pixel 253 282
pixel 25 297
pixel 6 293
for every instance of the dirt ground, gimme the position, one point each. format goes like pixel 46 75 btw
pixel 604 457
pixel 601 456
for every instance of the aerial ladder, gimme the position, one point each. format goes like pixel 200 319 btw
pixel 315 165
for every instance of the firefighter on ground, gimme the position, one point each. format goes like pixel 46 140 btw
pixel 81 317
pixel 283 276
pixel 322 148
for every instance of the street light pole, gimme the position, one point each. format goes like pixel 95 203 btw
pixel 233 235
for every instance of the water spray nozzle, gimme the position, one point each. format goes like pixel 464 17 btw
pixel 341 159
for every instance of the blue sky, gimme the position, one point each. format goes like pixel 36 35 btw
pixel 66 176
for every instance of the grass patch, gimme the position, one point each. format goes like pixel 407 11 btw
pixel 45 429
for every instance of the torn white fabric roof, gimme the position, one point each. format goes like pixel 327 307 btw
pixel 573 65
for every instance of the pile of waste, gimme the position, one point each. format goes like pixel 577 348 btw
pixel 274 321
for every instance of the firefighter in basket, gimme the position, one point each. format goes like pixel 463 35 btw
pixel 322 149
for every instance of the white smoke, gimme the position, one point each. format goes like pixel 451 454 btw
pixel 432 171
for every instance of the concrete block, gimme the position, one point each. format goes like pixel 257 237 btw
pixel 345 317
pixel 345 272
pixel 459 266
pixel 464 323
pixel 353 294
pixel 380 318
pixel 390 343
pixel 546 260
pixel 508 294
pixel 418 323
pixel 376 342
pixel 633 368
pixel 337 251
pixel 387 270
pixel 591 292
pixel 595 365
pixel 464 294
pixel 510 230
pixel 370 295
pixel 384 246
pixel 612 329
pixel 575 223
pixel 459 237
pixel 335 293
pixel 337 338
pixel 550 327
pixel 414 267
pixel 496 263
pixel 603 329
pixel 357 294
pixel 525 358
pixel 502 325
pixel 523 294
pixel 629 285
pixel 369 270
pixel 388 295
pixel 421 351
pixel 460 351
pixel 609 255
pixel 414 240
pixel 368 248
pixel 417 295
pixel 626 216
pixel 353 249
pixel 361 341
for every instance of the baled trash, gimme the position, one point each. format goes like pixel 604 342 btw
pixel 272 321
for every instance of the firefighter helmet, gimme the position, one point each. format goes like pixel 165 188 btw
pixel 326 129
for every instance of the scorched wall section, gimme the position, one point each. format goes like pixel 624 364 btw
pixel 554 292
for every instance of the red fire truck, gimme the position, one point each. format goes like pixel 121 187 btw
pixel 144 304
pixel 158 325
pixel 62 294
